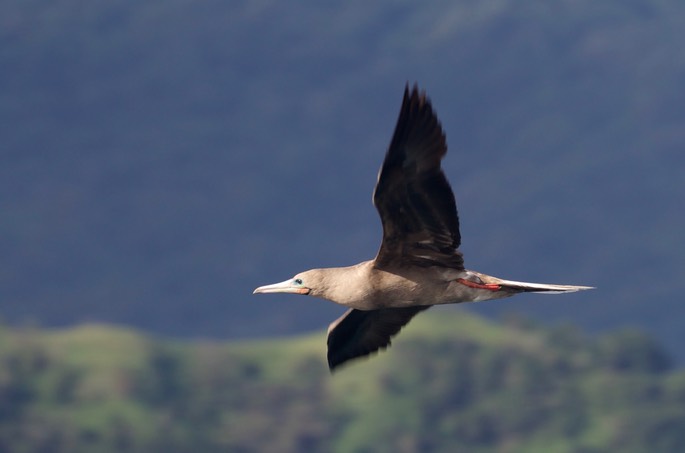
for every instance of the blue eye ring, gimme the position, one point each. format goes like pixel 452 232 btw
pixel 298 281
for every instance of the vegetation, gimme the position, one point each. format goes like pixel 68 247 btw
pixel 450 382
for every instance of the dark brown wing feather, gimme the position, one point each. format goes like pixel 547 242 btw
pixel 413 197
pixel 359 333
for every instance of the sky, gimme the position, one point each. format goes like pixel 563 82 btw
pixel 161 160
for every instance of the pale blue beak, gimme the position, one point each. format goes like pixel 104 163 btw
pixel 284 287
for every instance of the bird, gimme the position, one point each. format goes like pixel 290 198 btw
pixel 418 264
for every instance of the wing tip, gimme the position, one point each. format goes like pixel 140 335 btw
pixel 336 362
pixel 415 95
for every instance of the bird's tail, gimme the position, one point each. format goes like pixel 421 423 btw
pixel 525 287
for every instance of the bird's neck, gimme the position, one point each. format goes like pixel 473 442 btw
pixel 344 285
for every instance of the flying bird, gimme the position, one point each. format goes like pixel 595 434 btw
pixel 419 263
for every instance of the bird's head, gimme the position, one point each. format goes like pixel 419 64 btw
pixel 299 284
pixel 337 284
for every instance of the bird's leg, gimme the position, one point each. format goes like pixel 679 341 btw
pixel 488 286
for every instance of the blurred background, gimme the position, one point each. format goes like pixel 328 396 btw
pixel 159 160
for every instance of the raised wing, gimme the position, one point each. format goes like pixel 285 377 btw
pixel 412 195
pixel 359 333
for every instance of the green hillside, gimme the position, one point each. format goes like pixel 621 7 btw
pixel 451 381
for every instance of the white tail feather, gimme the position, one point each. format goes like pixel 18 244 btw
pixel 542 287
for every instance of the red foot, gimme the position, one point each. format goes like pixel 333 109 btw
pixel 488 286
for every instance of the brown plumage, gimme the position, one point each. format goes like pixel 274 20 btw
pixel 418 264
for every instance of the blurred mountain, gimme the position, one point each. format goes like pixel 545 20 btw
pixel 159 160
pixel 449 383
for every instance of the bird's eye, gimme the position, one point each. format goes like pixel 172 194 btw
pixel 298 281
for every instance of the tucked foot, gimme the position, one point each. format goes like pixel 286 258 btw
pixel 488 286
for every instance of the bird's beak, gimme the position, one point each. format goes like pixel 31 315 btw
pixel 283 287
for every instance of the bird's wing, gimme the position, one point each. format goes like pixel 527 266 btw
pixel 412 195
pixel 359 333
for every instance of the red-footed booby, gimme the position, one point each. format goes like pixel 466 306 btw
pixel 419 263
